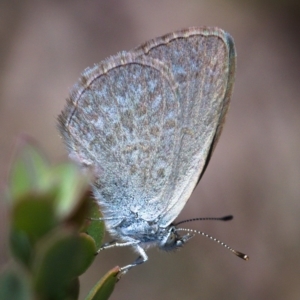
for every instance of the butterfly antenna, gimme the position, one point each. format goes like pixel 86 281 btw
pixel 225 218
pixel 237 253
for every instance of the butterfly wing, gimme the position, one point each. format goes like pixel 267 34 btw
pixel 147 121
pixel 121 120
pixel 202 61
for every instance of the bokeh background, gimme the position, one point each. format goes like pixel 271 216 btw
pixel 254 173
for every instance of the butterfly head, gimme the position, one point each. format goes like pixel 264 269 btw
pixel 171 240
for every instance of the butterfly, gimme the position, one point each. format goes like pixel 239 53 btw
pixel 146 122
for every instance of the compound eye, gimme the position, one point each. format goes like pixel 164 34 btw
pixel 170 240
pixel 171 237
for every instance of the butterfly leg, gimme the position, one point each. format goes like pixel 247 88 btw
pixel 140 260
pixel 113 244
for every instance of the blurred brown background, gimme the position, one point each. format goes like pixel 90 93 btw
pixel 254 173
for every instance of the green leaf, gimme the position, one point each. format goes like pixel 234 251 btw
pixel 93 226
pixel 14 285
pixel 28 170
pixel 60 259
pixel 105 286
pixel 32 218
pixel 31 173
pixel 71 188
pixel 72 290
pixel 21 247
